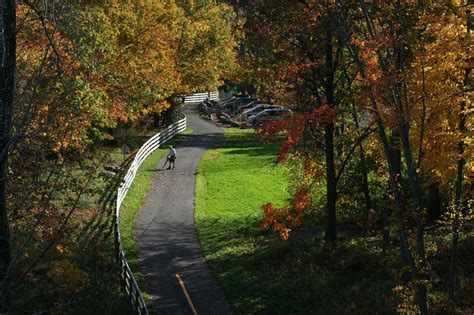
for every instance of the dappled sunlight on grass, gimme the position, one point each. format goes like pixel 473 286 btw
pixel 258 272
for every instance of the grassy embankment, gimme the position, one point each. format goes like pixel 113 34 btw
pixel 257 271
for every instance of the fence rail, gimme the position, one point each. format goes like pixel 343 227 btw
pixel 128 280
pixel 199 97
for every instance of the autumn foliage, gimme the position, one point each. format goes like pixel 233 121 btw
pixel 379 137
pixel 293 127
pixel 86 71
pixel 382 98
pixel 281 219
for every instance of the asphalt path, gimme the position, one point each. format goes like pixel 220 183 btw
pixel 170 258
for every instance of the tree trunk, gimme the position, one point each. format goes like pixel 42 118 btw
pixel 331 193
pixel 7 81
pixel 168 115
pixel 396 153
pixel 401 100
pixel 434 203
pixel 459 182
pixel 365 180
pixel 406 255
pixel 396 156
pixel 363 167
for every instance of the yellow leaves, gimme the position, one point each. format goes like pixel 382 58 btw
pixel 437 90
pixel 201 27
pixel 156 108
pixel 470 172
pixel 63 249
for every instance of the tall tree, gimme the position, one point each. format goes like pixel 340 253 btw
pixel 7 85
pixel 83 68
pixel 298 54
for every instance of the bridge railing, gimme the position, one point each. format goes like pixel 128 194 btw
pixel 128 280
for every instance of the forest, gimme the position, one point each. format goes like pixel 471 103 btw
pixel 78 78
pixel 382 94
pixel 378 148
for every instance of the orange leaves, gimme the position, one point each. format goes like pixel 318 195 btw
pixel 272 127
pixel 282 220
pixel 310 167
pixel 294 126
pixel 273 219
pixel 293 70
pixel 300 200
pixel 323 115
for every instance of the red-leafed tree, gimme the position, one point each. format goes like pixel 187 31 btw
pixel 295 54
pixel 293 127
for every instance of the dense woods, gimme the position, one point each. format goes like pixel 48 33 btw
pixel 76 76
pixel 378 148
pixel 382 130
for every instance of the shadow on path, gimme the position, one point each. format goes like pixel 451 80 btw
pixel 166 239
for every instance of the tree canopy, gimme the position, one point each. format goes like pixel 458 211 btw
pixel 85 70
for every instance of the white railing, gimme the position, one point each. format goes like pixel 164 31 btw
pixel 129 282
pixel 199 97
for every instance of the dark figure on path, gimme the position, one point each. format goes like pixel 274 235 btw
pixel 171 158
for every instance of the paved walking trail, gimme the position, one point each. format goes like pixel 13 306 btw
pixel 167 244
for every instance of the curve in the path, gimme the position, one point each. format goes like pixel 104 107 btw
pixel 166 239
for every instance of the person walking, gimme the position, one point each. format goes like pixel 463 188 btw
pixel 171 157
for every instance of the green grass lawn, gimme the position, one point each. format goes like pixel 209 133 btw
pixel 134 200
pixel 233 181
pixel 260 273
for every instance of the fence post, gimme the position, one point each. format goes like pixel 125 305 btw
pixel 127 279
pixel 137 296
pixel 116 237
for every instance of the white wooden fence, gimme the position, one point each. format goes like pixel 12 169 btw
pixel 129 282
pixel 199 97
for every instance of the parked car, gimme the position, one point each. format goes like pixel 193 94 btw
pixel 224 118
pixel 241 95
pixel 250 105
pixel 233 99
pixel 233 107
pixel 268 114
pixel 206 106
pixel 225 99
pixel 222 103
pixel 259 108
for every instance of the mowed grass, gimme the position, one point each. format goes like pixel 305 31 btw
pixel 134 200
pixel 260 273
pixel 233 181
